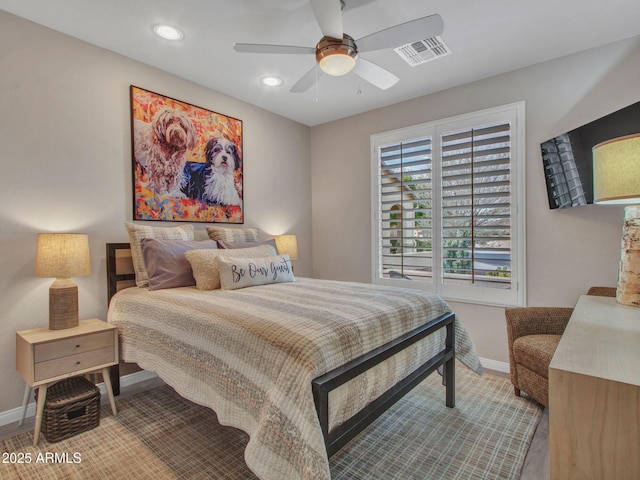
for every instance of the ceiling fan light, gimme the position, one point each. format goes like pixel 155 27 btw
pixel 337 64
pixel 336 57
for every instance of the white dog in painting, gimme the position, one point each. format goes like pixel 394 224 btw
pixel 222 159
pixel 161 146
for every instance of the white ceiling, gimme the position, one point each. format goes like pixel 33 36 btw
pixel 486 37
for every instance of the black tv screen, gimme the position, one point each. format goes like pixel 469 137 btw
pixel 568 161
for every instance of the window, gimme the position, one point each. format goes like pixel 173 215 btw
pixel 447 199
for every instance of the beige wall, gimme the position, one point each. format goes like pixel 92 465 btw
pixel 66 166
pixel 567 250
pixel 65 153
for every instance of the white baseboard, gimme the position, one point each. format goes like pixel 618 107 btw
pixel 495 365
pixel 13 415
pixel 131 379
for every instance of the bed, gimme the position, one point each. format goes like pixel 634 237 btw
pixel 301 367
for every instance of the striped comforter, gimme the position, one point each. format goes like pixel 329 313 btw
pixel 251 354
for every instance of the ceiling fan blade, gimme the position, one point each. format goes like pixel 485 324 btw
pixel 307 80
pixel 261 48
pixel 409 32
pixel 375 74
pixel 329 16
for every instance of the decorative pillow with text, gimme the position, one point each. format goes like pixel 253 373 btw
pixel 250 272
pixel 205 267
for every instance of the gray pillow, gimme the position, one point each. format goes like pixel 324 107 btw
pixel 233 245
pixel 228 234
pixel 138 232
pixel 166 264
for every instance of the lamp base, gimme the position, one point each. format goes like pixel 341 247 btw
pixel 628 292
pixel 63 304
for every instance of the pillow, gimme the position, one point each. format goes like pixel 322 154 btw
pixel 248 272
pixel 205 268
pixel 226 234
pixel 166 264
pixel 138 232
pixel 232 245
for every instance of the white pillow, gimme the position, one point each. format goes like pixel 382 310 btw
pixel 205 267
pixel 138 232
pixel 249 272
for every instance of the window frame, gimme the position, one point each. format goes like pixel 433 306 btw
pixel 513 113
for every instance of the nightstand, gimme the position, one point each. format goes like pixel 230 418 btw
pixel 45 356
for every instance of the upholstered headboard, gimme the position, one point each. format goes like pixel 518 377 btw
pixel 120 273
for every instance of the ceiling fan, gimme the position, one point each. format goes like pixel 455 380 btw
pixel 337 53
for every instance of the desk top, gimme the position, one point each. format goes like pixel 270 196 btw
pixel 601 340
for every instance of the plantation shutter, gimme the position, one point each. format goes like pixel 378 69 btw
pixel 406 209
pixel 476 206
pixel 448 207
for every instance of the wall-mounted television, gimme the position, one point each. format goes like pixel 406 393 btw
pixel 568 161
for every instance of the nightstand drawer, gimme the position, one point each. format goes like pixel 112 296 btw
pixel 74 363
pixel 72 346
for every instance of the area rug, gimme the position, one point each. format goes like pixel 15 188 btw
pixel 159 435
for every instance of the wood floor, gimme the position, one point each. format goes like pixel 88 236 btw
pixel 536 465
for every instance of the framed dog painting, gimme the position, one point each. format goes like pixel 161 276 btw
pixel 187 161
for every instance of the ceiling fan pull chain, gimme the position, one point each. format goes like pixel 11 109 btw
pixel 316 70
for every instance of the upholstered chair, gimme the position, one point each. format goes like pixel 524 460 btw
pixel 533 334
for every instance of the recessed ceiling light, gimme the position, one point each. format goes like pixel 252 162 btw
pixel 271 81
pixel 168 32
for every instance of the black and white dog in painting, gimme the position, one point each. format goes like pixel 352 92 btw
pixel 212 181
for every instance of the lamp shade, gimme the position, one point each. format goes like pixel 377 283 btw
pixel 616 170
pixel 62 255
pixel 287 244
pixel 616 180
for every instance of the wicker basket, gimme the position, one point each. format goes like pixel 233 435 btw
pixel 72 406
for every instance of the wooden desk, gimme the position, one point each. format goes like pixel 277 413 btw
pixel 594 393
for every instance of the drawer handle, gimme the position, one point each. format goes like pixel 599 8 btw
pixel 78 346
pixel 77 363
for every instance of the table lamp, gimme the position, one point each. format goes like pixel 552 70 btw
pixel 616 180
pixel 62 256
pixel 287 244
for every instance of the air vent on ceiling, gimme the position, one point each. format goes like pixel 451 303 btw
pixel 423 51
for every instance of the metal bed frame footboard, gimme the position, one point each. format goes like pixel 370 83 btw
pixel 323 385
